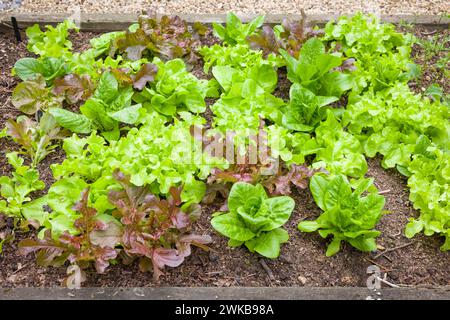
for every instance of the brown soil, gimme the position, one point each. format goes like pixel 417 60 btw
pixel 302 261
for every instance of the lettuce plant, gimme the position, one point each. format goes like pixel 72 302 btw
pixel 338 151
pixel 32 95
pixel 347 216
pixel 35 138
pixel 94 241
pixel 166 37
pixel 154 230
pixel 174 90
pixel 315 70
pixel 236 32
pixel 289 36
pixel 254 219
pixel 15 192
pixel 109 105
pixel 429 185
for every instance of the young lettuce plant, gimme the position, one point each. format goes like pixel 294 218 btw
pixel 155 230
pixel 94 241
pixel 15 191
pixel 347 216
pixel 167 38
pixel 255 220
pixel 35 138
pixel 236 32
pixel 315 70
pixel 109 105
pixel 289 36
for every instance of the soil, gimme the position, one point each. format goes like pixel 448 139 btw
pixel 416 262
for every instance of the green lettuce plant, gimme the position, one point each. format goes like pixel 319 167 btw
pixel 347 215
pixel 254 219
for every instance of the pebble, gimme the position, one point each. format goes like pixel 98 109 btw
pixel 302 279
pixel 394 7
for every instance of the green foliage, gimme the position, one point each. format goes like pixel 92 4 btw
pixel 52 42
pixel 391 121
pixel 175 90
pixel 339 151
pixel 236 32
pixel 429 185
pixel 255 219
pixel 35 138
pixel 16 190
pixel 346 215
pixel 382 54
pixel 314 70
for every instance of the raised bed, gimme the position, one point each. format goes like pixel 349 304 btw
pixel 416 262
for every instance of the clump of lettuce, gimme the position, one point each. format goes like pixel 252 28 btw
pixel 255 220
pixel 347 215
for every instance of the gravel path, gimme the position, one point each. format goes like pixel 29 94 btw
pixel 411 7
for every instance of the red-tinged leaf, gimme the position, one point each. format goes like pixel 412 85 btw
pixel 265 40
pixel 122 76
pixel 194 211
pixel 166 257
pixel 74 87
pixel 175 196
pixel 107 237
pixel 102 257
pixel 152 226
pixel 180 219
pixel 21 131
pixel 48 250
pixel 299 175
pixel 146 74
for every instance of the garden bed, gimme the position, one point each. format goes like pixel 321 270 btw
pixel 411 262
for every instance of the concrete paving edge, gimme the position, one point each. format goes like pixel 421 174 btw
pixel 112 22
pixel 230 293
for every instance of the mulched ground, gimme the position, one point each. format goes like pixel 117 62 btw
pixel 417 262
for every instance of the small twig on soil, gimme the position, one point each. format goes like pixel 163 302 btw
pixel 393 249
pixel 377 264
pixel 388 283
pixel 267 269
pixel 21 268
pixel 248 276
pixel 212 273
pixel 384 191
pixel 429 33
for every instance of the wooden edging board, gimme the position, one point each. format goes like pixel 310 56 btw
pixel 229 293
pixel 113 22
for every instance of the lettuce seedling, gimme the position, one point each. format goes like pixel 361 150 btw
pixel 155 230
pixel 236 32
pixel 314 70
pixel 289 36
pixel 35 138
pixel 255 220
pixel 347 216
pixel 15 192
pixel 95 241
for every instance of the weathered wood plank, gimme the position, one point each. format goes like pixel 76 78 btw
pixel 231 293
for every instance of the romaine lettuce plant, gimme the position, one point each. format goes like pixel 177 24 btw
pixel 255 220
pixel 347 216
pixel 315 70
